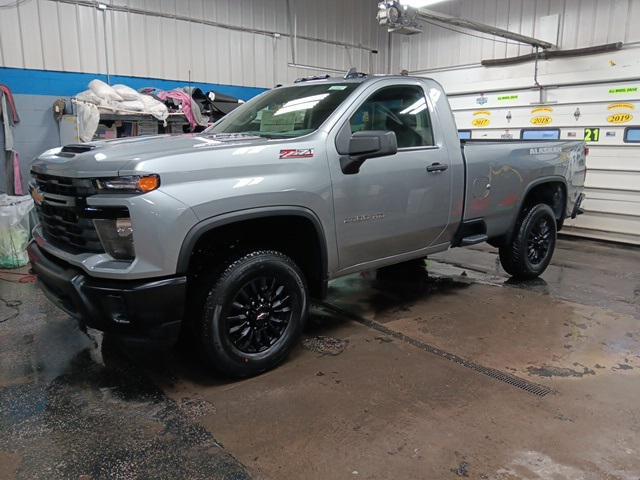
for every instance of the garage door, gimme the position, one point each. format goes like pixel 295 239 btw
pixel 606 116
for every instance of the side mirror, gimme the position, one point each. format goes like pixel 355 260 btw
pixel 367 144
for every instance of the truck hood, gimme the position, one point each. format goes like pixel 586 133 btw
pixel 107 158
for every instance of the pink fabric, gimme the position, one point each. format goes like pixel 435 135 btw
pixel 185 100
pixel 17 175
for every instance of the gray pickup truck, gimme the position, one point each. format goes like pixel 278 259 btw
pixel 225 235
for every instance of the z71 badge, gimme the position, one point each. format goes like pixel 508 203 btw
pixel 296 153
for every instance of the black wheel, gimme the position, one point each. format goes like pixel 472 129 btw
pixel 253 314
pixel 532 245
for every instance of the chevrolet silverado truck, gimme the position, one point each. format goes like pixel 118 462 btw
pixel 225 235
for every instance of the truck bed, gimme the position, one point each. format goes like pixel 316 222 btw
pixel 500 173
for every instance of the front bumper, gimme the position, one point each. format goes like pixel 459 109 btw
pixel 142 310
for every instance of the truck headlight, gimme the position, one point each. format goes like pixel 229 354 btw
pixel 130 184
pixel 116 236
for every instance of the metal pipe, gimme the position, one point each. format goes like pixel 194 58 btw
pixel 480 65
pixel 464 66
pixel 535 68
pixel 550 54
pixel 315 68
pixel 426 14
pixel 200 21
pixel 291 36
pixel 103 9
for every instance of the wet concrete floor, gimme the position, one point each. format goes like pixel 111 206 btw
pixel 395 378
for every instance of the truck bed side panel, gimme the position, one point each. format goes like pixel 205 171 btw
pixel 500 174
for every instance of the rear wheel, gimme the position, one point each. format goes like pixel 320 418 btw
pixel 532 245
pixel 253 314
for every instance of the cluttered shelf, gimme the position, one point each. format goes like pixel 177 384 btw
pixel 105 112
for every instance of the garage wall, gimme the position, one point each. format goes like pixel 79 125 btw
pixel 582 23
pixel 52 48
pixel 185 39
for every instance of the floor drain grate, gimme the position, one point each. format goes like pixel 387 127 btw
pixel 521 383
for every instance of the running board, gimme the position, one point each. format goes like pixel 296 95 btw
pixel 473 239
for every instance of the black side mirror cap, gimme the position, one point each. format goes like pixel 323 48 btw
pixel 364 145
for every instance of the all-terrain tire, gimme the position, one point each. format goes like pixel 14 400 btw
pixel 532 244
pixel 266 278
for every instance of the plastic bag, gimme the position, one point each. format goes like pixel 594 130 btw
pixel 130 105
pixel 104 91
pixel 14 230
pixel 127 93
pixel 88 120
pixel 90 97
pixel 155 107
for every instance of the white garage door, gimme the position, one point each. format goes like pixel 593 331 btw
pixel 606 116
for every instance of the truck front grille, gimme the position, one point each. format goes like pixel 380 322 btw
pixel 65 217
pixel 72 187
pixel 66 229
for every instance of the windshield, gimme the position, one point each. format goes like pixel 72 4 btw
pixel 286 112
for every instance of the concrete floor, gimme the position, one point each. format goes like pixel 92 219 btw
pixel 395 378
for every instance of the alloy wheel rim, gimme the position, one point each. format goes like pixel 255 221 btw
pixel 539 242
pixel 259 314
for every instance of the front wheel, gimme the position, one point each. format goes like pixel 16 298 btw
pixel 532 245
pixel 253 315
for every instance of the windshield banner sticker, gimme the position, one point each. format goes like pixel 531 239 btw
pixel 296 153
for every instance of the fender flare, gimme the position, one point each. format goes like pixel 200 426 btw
pixel 211 223
pixel 531 186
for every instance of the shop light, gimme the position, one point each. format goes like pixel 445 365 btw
pixel 420 3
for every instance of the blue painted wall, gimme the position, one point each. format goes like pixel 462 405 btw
pixel 36 90
pixel 61 84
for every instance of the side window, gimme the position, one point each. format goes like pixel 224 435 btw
pixel 464 134
pixel 400 109
pixel 540 134
pixel 632 135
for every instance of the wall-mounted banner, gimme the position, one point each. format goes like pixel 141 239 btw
pixel 481 122
pixel 619 118
pixel 622 90
pixel 541 120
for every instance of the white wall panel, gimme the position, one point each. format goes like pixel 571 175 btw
pixel 11 38
pixel 582 23
pixel 30 33
pixel 69 36
pixel 50 31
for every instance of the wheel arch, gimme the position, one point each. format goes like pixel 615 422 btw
pixel 536 190
pixel 209 226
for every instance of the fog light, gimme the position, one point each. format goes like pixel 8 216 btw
pixel 116 236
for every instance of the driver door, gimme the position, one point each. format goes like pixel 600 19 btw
pixel 393 205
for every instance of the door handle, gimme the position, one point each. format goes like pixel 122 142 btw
pixel 437 167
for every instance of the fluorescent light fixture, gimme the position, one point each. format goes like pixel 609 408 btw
pixel 420 3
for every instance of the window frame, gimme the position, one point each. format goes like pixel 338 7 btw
pixel 625 138
pixel 430 109
pixel 525 130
